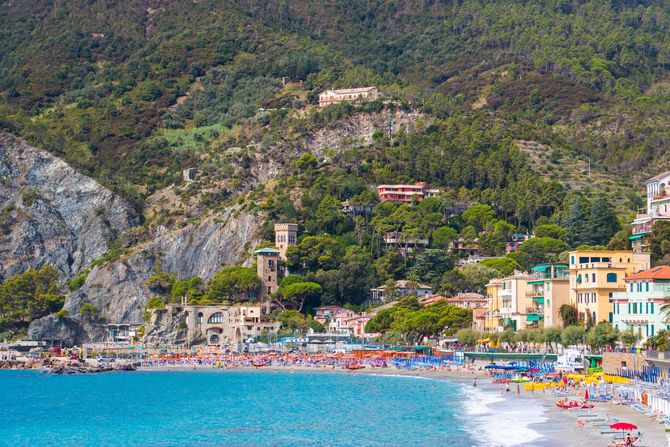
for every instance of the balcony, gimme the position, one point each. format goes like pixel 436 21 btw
pixel 635 318
pixel 596 265
pixel 535 310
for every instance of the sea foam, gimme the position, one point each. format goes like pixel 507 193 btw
pixel 498 421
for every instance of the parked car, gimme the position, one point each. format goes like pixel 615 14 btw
pixel 34 354
pixel 106 359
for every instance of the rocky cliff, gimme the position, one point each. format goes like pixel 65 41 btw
pixel 52 214
pixel 118 289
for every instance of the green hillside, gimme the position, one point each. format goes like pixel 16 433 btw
pixel 532 113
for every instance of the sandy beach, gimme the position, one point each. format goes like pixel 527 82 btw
pixel 511 415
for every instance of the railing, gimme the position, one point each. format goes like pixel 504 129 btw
pixel 534 310
pixel 659 355
pixel 592 265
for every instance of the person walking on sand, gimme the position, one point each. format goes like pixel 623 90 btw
pixel 518 390
pixel 475 382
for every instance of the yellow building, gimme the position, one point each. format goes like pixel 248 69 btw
pixel 509 303
pixel 595 275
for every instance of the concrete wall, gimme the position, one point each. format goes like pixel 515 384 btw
pixel 612 361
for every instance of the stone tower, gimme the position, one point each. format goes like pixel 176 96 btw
pixel 267 267
pixel 286 234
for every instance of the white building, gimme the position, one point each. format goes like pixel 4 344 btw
pixel 658 208
pixel 639 307
pixel 348 95
pixel 402 288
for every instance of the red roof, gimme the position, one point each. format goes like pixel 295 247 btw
pixel 660 272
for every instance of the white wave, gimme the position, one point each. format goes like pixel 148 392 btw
pixel 497 421
pixel 404 376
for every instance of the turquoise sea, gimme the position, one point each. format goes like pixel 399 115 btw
pixel 230 408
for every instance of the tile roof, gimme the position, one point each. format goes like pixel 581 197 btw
pixel 660 272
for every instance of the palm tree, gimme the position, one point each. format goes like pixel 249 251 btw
pixel 412 281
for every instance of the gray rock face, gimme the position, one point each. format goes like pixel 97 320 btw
pixel 357 130
pixel 51 328
pixel 119 289
pixel 53 214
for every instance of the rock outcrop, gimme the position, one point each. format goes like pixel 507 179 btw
pixel 358 130
pixel 50 213
pixel 50 327
pixel 119 289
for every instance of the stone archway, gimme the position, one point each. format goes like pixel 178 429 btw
pixel 214 339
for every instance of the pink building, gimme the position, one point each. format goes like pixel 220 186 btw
pixel 334 317
pixel 405 193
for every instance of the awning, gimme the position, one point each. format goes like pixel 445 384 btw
pixel 636 236
pixel 534 317
pixel 541 281
pixel 539 299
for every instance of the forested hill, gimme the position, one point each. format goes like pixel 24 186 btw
pixel 92 80
pixel 528 116
pixel 591 74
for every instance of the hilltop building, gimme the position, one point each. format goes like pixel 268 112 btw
pixel 405 193
pixel 595 275
pixel 355 209
pixel 286 235
pixel 348 95
pixel 464 248
pixel 406 244
pixel 639 306
pixel 658 208
pixel 402 289
pixel 189 174
pixel 514 241
pixel 267 260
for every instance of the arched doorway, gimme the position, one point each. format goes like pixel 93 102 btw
pixel 214 339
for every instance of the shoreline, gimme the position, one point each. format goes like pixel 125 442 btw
pixel 557 429
pixel 533 415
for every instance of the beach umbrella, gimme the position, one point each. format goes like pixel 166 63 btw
pixel 586 394
pixel 626 426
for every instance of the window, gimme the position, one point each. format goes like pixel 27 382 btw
pixel 215 318
pixel 631 287
pixel 572 259
pixel 611 277
pixel 583 260
pixel 593 277
pixel 652 330
pixel 611 317
pixel 579 279
pixel 652 308
pixel 646 287
pixel 200 318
